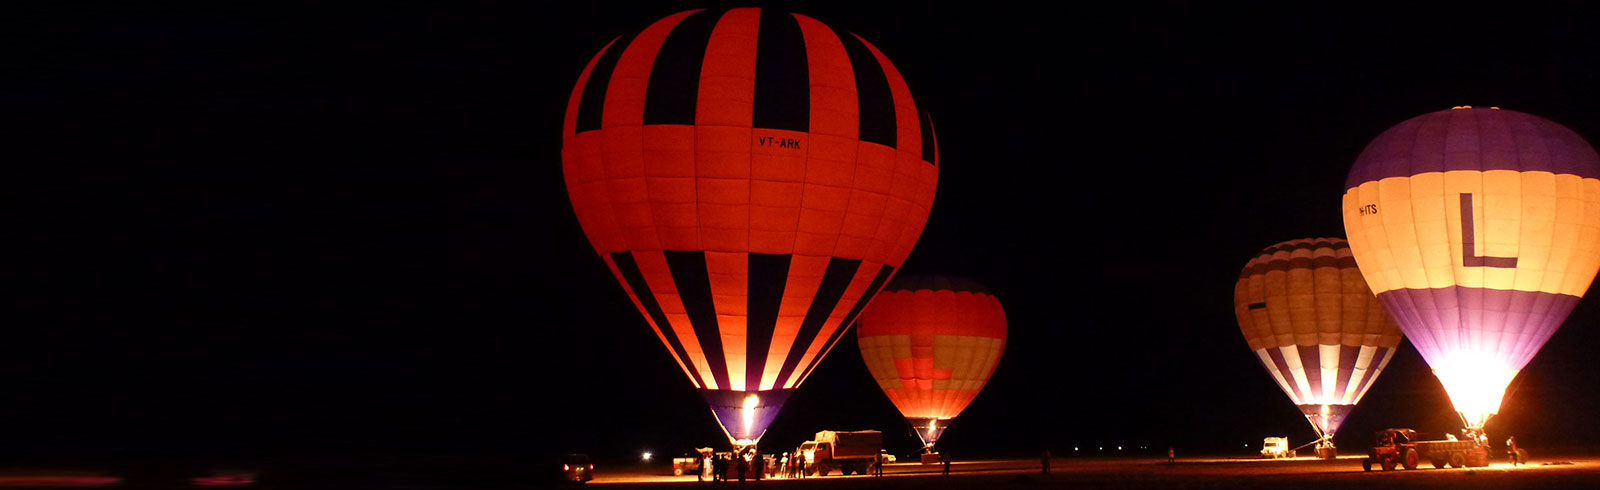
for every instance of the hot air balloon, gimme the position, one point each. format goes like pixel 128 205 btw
pixel 751 178
pixel 1307 314
pixel 932 343
pixel 1479 229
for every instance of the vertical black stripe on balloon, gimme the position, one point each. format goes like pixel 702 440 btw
pixel 591 106
pixel 694 289
pixel 834 281
pixel 783 80
pixel 874 101
pixel 768 274
pixel 674 86
pixel 929 148
pixel 872 290
pixel 641 289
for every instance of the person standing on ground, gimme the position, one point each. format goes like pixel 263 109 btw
pixel 1172 457
pixel 946 459
pixel 739 459
pixel 700 468
pixel 1044 461
pixel 1511 448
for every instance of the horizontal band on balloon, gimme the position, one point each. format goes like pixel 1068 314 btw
pixel 1325 374
pixel 937 283
pixel 731 194
pixel 1297 263
pixel 1476 140
pixel 1528 231
pixel 931 358
pixel 926 313
pixel 1306 244
pixel 1504 325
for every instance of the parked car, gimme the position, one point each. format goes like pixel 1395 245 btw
pixel 576 468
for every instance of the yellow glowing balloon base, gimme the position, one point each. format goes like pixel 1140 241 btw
pixel 1476 383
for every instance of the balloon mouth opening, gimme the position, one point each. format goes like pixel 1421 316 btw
pixel 745 415
pixel 1476 384
pixel 1325 418
pixel 929 429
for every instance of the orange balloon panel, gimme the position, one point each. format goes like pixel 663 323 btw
pixel 1306 312
pixel 751 177
pixel 932 344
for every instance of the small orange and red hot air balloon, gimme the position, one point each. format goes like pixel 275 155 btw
pixel 932 343
pixel 751 178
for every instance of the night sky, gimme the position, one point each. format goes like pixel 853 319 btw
pixel 258 230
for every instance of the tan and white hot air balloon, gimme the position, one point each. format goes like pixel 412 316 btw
pixel 1308 315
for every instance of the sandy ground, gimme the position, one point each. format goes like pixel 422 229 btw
pixel 1545 473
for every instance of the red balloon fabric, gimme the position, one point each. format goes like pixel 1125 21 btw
pixel 932 343
pixel 751 177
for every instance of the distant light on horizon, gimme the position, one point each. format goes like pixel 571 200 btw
pixel 646 456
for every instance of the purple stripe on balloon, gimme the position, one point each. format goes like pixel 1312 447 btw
pixel 1311 361
pixel 1479 319
pixel 1474 139
pixel 1372 368
pixel 1348 354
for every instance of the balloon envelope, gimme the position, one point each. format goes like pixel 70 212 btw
pixel 1307 314
pixel 932 343
pixel 1479 229
pixel 751 178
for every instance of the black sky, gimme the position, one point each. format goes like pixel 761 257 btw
pixel 263 229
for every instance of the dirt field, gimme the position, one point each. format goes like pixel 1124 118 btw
pixel 1544 473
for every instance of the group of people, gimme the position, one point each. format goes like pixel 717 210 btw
pixel 792 465
pixel 715 466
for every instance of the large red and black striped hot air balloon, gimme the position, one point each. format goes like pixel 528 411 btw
pixel 752 178
pixel 932 343
pixel 1479 229
pixel 1308 315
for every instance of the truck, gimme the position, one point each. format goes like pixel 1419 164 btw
pixel 1276 447
pixel 1403 448
pixel 850 452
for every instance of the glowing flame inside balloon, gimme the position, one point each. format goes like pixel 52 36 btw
pixel 1476 382
pixel 749 411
